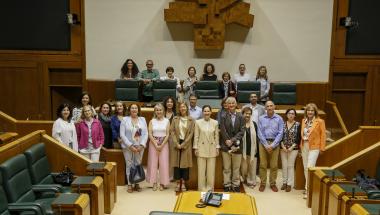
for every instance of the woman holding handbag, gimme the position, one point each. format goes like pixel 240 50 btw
pixel 182 131
pixel 158 155
pixel 134 133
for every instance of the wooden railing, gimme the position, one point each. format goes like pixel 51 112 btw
pixel 58 154
pixel 366 159
pixel 341 149
pixel 338 116
pixel 334 121
pixel 23 127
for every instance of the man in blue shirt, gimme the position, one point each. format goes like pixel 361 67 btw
pixel 270 134
pixel 194 111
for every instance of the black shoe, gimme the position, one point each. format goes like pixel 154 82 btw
pixel 236 189
pixel 226 189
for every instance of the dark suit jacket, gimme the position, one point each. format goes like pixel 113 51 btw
pixel 231 132
pixel 231 87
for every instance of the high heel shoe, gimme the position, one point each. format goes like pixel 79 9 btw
pixel 154 187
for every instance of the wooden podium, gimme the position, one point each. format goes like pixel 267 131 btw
pixel 72 203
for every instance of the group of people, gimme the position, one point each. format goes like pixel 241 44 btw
pixel 254 136
pixel 227 85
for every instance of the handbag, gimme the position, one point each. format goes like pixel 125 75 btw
pixel 136 173
pixel 64 178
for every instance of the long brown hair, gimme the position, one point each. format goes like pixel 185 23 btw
pixel 265 75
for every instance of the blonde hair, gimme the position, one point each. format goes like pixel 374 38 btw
pixel 82 116
pixel 231 99
pixel 311 106
pixel 158 105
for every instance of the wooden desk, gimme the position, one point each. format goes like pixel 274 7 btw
pixel 348 202
pixel 322 180
pixel 337 191
pixel 365 209
pixel 72 203
pixel 93 186
pixel 107 171
pixel 7 137
pixel 186 203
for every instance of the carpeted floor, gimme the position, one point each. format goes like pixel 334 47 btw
pixel 267 202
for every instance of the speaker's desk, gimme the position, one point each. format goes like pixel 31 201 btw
pixel 239 203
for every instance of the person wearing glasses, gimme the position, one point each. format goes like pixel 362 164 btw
pixel 147 77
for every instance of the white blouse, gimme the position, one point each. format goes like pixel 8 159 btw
pixel 159 127
pixel 65 133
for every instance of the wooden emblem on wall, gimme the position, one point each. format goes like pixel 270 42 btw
pixel 209 18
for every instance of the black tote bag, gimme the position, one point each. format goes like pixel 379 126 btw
pixel 136 173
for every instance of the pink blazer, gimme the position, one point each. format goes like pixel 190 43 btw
pixel 96 134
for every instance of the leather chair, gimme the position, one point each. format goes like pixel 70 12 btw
pixel 18 186
pixel 7 209
pixel 127 90
pixel 39 167
pixel 284 94
pixel 245 88
pixel 207 90
pixel 164 88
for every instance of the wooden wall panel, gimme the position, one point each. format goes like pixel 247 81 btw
pixel 25 80
pixel 352 108
pixel 312 92
pixel 101 90
pixel 351 74
pixel 20 89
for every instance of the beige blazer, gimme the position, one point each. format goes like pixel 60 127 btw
pixel 206 138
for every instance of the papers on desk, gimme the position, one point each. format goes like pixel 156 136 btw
pixel 226 196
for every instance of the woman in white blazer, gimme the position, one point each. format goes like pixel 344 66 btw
pixel 134 133
pixel 206 145
pixel 64 129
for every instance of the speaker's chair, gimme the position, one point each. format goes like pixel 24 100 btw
pixel 164 88
pixel 207 90
pixel 284 94
pixel 127 90
pixel 245 88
